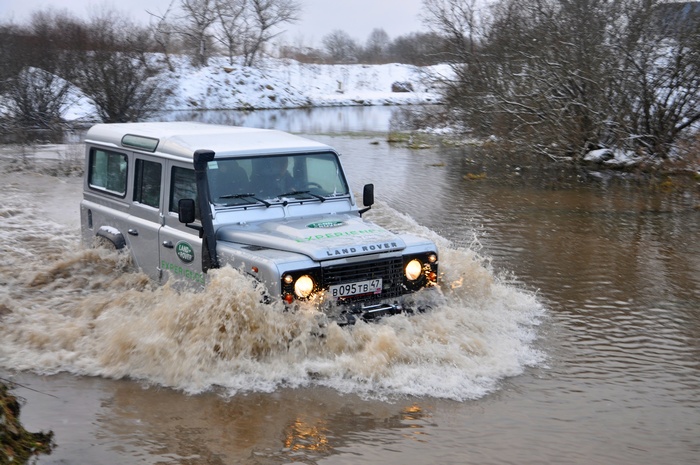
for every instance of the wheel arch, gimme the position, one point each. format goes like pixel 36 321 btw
pixel 113 235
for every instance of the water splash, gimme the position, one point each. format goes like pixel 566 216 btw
pixel 64 308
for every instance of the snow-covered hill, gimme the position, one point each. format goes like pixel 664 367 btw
pixel 278 83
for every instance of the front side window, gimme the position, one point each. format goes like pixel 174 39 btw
pixel 182 186
pixel 147 180
pixel 108 171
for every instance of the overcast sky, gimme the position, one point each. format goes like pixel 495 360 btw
pixel 318 18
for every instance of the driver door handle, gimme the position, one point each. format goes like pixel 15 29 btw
pixel 168 244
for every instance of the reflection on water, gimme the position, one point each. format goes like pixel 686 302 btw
pixel 323 120
pixel 303 435
pixel 161 426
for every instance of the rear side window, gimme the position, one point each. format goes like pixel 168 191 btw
pixel 147 181
pixel 108 172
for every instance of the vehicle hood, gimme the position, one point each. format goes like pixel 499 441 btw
pixel 320 238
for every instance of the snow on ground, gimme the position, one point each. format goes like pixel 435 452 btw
pixel 284 83
pixel 612 157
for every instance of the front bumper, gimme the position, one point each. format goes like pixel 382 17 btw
pixel 368 313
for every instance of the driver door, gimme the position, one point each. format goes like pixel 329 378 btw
pixel 180 247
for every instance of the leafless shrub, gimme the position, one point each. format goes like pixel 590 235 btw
pixel 563 77
pixel 116 72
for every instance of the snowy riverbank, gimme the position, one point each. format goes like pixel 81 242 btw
pixel 284 83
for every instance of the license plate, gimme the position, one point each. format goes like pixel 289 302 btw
pixel 371 286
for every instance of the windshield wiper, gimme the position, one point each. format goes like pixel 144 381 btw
pixel 242 196
pixel 316 196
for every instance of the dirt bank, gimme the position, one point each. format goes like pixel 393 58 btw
pixel 17 445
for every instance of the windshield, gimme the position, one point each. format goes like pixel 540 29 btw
pixel 302 177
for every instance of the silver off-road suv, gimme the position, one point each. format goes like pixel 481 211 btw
pixel 184 198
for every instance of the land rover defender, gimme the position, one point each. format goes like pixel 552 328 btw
pixel 184 198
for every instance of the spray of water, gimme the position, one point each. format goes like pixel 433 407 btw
pixel 64 308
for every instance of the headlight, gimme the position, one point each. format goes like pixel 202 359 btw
pixel 304 286
pixel 413 270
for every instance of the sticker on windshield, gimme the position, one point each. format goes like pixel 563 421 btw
pixel 325 224
pixel 185 252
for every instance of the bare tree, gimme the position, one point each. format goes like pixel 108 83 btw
pixel 164 33
pixel 340 47
pixel 196 19
pixel 566 76
pixel 265 17
pixel 233 25
pixel 471 92
pixel 377 47
pixel 34 63
pixel 12 41
pixel 661 60
pixel 457 21
pixel 113 70
pixel 548 65
pixel 419 48
pixel 37 98
pixel 242 26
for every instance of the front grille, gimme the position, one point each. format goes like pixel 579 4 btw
pixel 390 270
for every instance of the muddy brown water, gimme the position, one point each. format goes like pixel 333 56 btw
pixel 567 331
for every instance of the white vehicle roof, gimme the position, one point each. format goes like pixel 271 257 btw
pixel 182 139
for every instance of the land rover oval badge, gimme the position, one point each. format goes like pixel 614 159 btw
pixel 184 251
pixel 325 224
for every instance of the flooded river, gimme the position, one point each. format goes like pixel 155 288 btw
pixel 567 331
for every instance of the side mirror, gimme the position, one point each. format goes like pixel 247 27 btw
pixel 367 197
pixel 185 211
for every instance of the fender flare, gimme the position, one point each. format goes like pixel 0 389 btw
pixel 113 235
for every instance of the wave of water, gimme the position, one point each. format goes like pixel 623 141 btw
pixel 64 308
